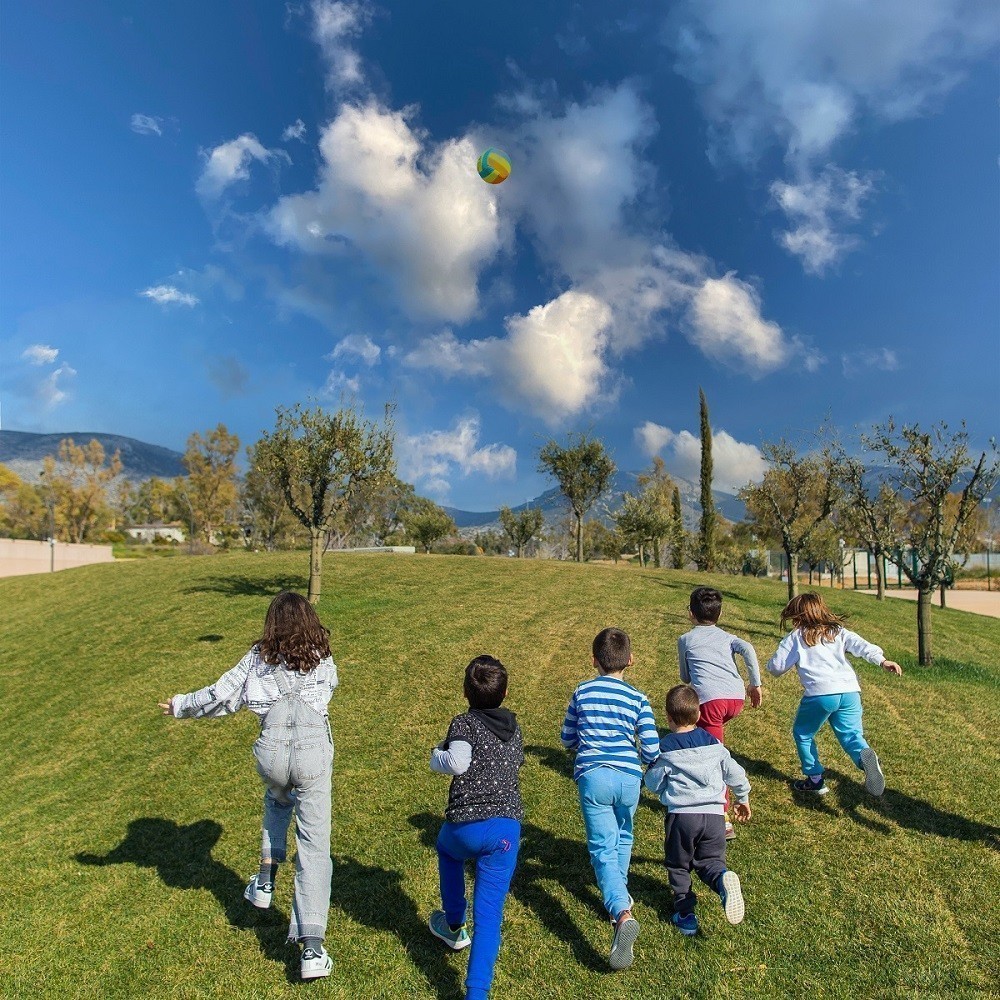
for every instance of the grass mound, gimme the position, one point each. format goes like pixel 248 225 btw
pixel 129 836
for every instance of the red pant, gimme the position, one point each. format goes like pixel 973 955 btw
pixel 714 715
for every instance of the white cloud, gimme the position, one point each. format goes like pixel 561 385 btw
pixel 431 458
pixel 146 125
pixel 725 323
pixel 40 354
pixel 360 345
pixel 297 130
pixel 167 294
pixel 230 162
pixel 819 209
pixel 734 463
pixel 335 23
pixel 50 391
pixel 338 384
pixel 877 359
pixel 413 209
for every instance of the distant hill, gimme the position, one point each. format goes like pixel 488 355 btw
pixel 23 452
pixel 553 506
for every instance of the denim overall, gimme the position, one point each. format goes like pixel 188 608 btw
pixel 294 755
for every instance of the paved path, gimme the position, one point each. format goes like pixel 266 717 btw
pixel 980 602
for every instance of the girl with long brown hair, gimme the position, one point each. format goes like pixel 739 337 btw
pixel 817 648
pixel 286 679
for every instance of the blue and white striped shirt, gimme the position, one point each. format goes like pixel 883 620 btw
pixel 603 720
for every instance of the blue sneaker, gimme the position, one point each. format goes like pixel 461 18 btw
pixel 731 894
pixel 456 940
pixel 817 786
pixel 687 925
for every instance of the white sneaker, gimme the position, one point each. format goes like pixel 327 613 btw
pixel 874 779
pixel 259 893
pixel 316 966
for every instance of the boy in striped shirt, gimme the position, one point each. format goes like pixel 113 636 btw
pixel 605 720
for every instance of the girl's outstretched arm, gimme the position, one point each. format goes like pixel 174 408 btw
pixel 223 697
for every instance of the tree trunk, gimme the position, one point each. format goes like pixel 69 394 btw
pixel 943 589
pixel 879 578
pixel 579 537
pixel 317 542
pixel 520 550
pixel 924 601
pixel 656 553
pixel 793 573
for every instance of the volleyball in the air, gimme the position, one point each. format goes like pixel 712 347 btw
pixel 494 166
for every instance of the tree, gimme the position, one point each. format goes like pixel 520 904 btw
pixel 264 509
pixel 797 495
pixel 657 490
pixel 927 468
pixel 427 522
pixel 22 512
pixel 705 556
pixel 584 471
pixel 872 512
pixel 208 492
pixel 77 488
pixel 321 460
pixel 641 520
pixel 678 536
pixel 520 528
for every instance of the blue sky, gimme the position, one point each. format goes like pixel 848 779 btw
pixel 209 210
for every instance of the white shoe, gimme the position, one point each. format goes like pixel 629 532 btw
pixel 259 893
pixel 316 966
pixel 874 779
pixel 731 894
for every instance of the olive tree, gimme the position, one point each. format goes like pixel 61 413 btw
pixel 521 527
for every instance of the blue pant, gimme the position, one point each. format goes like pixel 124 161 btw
pixel 493 843
pixel 608 800
pixel 843 712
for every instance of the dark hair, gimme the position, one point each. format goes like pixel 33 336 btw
pixel 612 650
pixel 485 682
pixel 293 634
pixel 810 615
pixel 706 604
pixel 682 705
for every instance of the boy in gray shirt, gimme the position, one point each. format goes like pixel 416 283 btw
pixel 690 776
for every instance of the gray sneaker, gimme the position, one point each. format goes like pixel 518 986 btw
pixel 626 931
pixel 316 966
pixel 874 778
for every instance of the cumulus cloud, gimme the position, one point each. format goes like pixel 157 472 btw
pixel 433 457
pixel 230 162
pixel 336 23
pixel 819 209
pixel 339 384
pixel 50 391
pixel 359 345
pixel 734 463
pixel 390 194
pixel 40 354
pixel 877 359
pixel 297 130
pixel 146 125
pixel 169 295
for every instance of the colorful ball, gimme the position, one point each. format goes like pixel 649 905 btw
pixel 494 166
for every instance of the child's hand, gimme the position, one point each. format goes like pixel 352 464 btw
pixel 892 667
pixel 741 812
pixel 168 706
pixel 756 696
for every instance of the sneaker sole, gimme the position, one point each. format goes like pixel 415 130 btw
pixel 733 903
pixel 621 948
pixel 730 834
pixel 320 973
pixel 874 778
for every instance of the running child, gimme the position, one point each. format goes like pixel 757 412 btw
pixel 483 753
pixel 286 679
pixel 816 646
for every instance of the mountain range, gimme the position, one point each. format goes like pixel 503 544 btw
pixel 23 452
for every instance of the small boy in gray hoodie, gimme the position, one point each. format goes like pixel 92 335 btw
pixel 690 777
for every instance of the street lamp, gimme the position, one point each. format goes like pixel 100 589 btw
pixel 50 500
pixel 989 541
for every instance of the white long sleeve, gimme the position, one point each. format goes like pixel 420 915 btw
pixel 824 668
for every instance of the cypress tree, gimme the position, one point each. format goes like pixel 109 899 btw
pixel 706 547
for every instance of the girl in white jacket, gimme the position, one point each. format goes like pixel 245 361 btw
pixel 831 692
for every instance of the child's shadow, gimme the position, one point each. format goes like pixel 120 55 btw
pixel 374 897
pixel 182 857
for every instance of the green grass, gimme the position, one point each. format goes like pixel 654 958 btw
pixel 128 836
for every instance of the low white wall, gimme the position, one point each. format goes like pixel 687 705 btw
pixel 20 556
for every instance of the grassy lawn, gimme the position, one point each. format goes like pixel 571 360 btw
pixel 129 836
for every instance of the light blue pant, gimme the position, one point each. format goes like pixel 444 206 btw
pixel 493 844
pixel 608 800
pixel 843 712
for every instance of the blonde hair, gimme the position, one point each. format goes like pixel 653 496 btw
pixel 810 615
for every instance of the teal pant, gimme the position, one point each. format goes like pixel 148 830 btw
pixel 843 712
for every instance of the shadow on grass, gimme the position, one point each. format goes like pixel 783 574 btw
pixel 374 897
pixel 243 586
pixel 182 857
